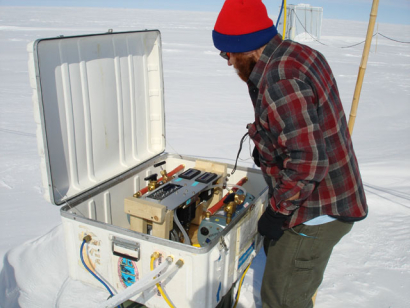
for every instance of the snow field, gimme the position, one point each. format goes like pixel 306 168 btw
pixel 207 109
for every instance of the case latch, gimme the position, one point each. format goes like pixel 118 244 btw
pixel 126 249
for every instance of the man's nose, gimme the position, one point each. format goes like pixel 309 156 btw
pixel 229 63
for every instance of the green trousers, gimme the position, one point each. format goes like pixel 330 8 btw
pixel 295 264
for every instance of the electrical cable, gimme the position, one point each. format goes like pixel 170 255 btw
pixel 357 43
pixel 66 202
pixel 297 17
pixel 155 256
pixel 91 272
pixel 238 293
pixel 167 143
pixel 186 237
pixel 377 33
pixel 280 13
pixel 239 152
pixel 285 13
pixel 302 234
pixel 392 39
pixel 315 39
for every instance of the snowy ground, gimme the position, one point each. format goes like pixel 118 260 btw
pixel 207 109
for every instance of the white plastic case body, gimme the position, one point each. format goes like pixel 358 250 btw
pixel 99 108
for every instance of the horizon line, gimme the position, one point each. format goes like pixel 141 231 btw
pixel 180 10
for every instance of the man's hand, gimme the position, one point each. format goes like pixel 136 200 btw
pixel 294 197
pixel 270 224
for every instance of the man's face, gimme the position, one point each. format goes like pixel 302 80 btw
pixel 243 63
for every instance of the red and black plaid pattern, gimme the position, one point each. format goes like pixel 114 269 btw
pixel 301 133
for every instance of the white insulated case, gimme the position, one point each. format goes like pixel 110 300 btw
pixel 99 108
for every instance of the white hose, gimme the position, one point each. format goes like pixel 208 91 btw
pixel 238 187
pixel 140 285
pixel 186 237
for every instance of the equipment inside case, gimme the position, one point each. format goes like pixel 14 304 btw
pixel 99 107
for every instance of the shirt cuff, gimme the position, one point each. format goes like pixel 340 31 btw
pixel 283 192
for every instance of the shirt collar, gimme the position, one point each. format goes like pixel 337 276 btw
pixel 257 71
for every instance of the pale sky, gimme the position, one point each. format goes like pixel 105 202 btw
pixel 390 11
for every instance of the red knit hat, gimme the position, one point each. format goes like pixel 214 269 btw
pixel 243 25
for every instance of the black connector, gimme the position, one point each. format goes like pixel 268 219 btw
pixel 229 198
pixel 152 177
pixel 207 177
pixel 159 164
pixel 189 174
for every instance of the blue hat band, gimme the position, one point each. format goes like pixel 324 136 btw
pixel 243 42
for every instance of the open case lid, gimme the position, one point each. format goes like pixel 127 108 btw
pixel 99 107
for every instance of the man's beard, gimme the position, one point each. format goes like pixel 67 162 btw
pixel 244 65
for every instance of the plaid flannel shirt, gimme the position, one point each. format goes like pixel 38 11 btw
pixel 302 137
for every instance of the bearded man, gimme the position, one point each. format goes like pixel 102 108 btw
pixel 304 149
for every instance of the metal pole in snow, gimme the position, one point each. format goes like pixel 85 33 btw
pixel 363 64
